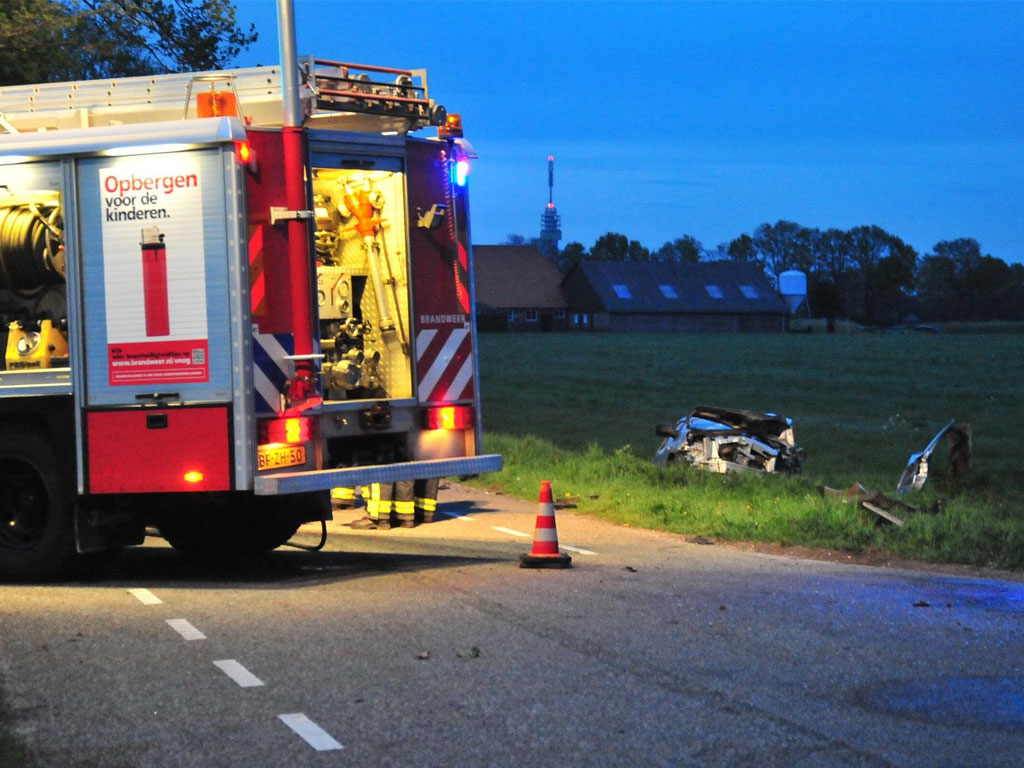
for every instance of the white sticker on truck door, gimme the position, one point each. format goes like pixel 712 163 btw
pixel 154 271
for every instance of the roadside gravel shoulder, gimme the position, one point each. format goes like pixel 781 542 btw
pixel 872 558
pixel 877 559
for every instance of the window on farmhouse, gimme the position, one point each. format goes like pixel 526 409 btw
pixel 714 291
pixel 531 315
pixel 749 291
pixel 621 291
pixel 668 291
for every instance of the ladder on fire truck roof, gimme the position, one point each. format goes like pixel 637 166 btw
pixel 334 94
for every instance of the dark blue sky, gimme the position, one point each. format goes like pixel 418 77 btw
pixel 708 119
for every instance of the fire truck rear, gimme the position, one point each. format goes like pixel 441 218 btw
pixel 213 316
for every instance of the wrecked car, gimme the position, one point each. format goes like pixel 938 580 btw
pixel 730 440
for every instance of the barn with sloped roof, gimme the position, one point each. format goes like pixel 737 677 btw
pixel 715 296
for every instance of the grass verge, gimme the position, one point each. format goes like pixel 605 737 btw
pixel 786 510
pixel 580 410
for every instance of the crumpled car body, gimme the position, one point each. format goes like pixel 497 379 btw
pixel 730 440
pixel 914 476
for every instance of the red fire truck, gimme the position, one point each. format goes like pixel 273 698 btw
pixel 214 314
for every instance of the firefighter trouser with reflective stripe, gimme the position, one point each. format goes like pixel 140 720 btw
pixel 379 505
pixel 405 510
pixel 343 497
pixel 425 498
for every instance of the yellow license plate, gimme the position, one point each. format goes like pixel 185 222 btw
pixel 281 456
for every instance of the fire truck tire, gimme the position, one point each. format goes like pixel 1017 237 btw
pixel 242 527
pixel 37 532
pixel 259 526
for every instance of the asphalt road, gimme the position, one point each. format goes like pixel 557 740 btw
pixel 431 647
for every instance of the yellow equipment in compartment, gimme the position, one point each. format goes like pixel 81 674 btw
pixel 35 349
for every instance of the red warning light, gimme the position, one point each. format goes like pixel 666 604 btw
pixel 295 429
pixel 449 417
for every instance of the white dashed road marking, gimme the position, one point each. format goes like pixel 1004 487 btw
pixel 186 630
pixel 509 531
pixel 145 596
pixel 577 550
pixel 238 673
pixel 456 515
pixel 312 733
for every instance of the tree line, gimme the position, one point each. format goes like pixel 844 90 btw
pixel 54 40
pixel 864 273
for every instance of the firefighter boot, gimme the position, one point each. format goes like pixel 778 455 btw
pixel 370 524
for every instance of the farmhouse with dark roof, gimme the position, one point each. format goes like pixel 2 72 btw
pixel 717 296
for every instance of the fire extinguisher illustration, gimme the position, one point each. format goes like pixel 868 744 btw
pixel 154 282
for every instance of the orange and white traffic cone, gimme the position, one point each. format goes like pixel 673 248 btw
pixel 545 552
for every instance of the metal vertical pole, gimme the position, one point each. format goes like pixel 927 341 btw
pixel 302 386
pixel 289 62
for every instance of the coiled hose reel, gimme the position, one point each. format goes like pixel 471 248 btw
pixel 31 245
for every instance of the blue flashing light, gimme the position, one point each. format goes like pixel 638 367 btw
pixel 461 172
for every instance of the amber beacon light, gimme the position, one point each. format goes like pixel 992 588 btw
pixel 452 128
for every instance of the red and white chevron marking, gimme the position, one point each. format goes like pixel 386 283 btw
pixel 444 364
pixel 257 279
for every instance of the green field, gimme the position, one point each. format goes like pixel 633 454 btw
pixel 580 409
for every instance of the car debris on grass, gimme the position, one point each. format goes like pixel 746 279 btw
pixel 886 508
pixel 727 440
pixel 913 478
pixel 960 457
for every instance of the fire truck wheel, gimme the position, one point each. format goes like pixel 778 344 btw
pixel 242 527
pixel 260 525
pixel 37 537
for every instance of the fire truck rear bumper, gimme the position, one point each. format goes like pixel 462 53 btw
pixel 299 482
